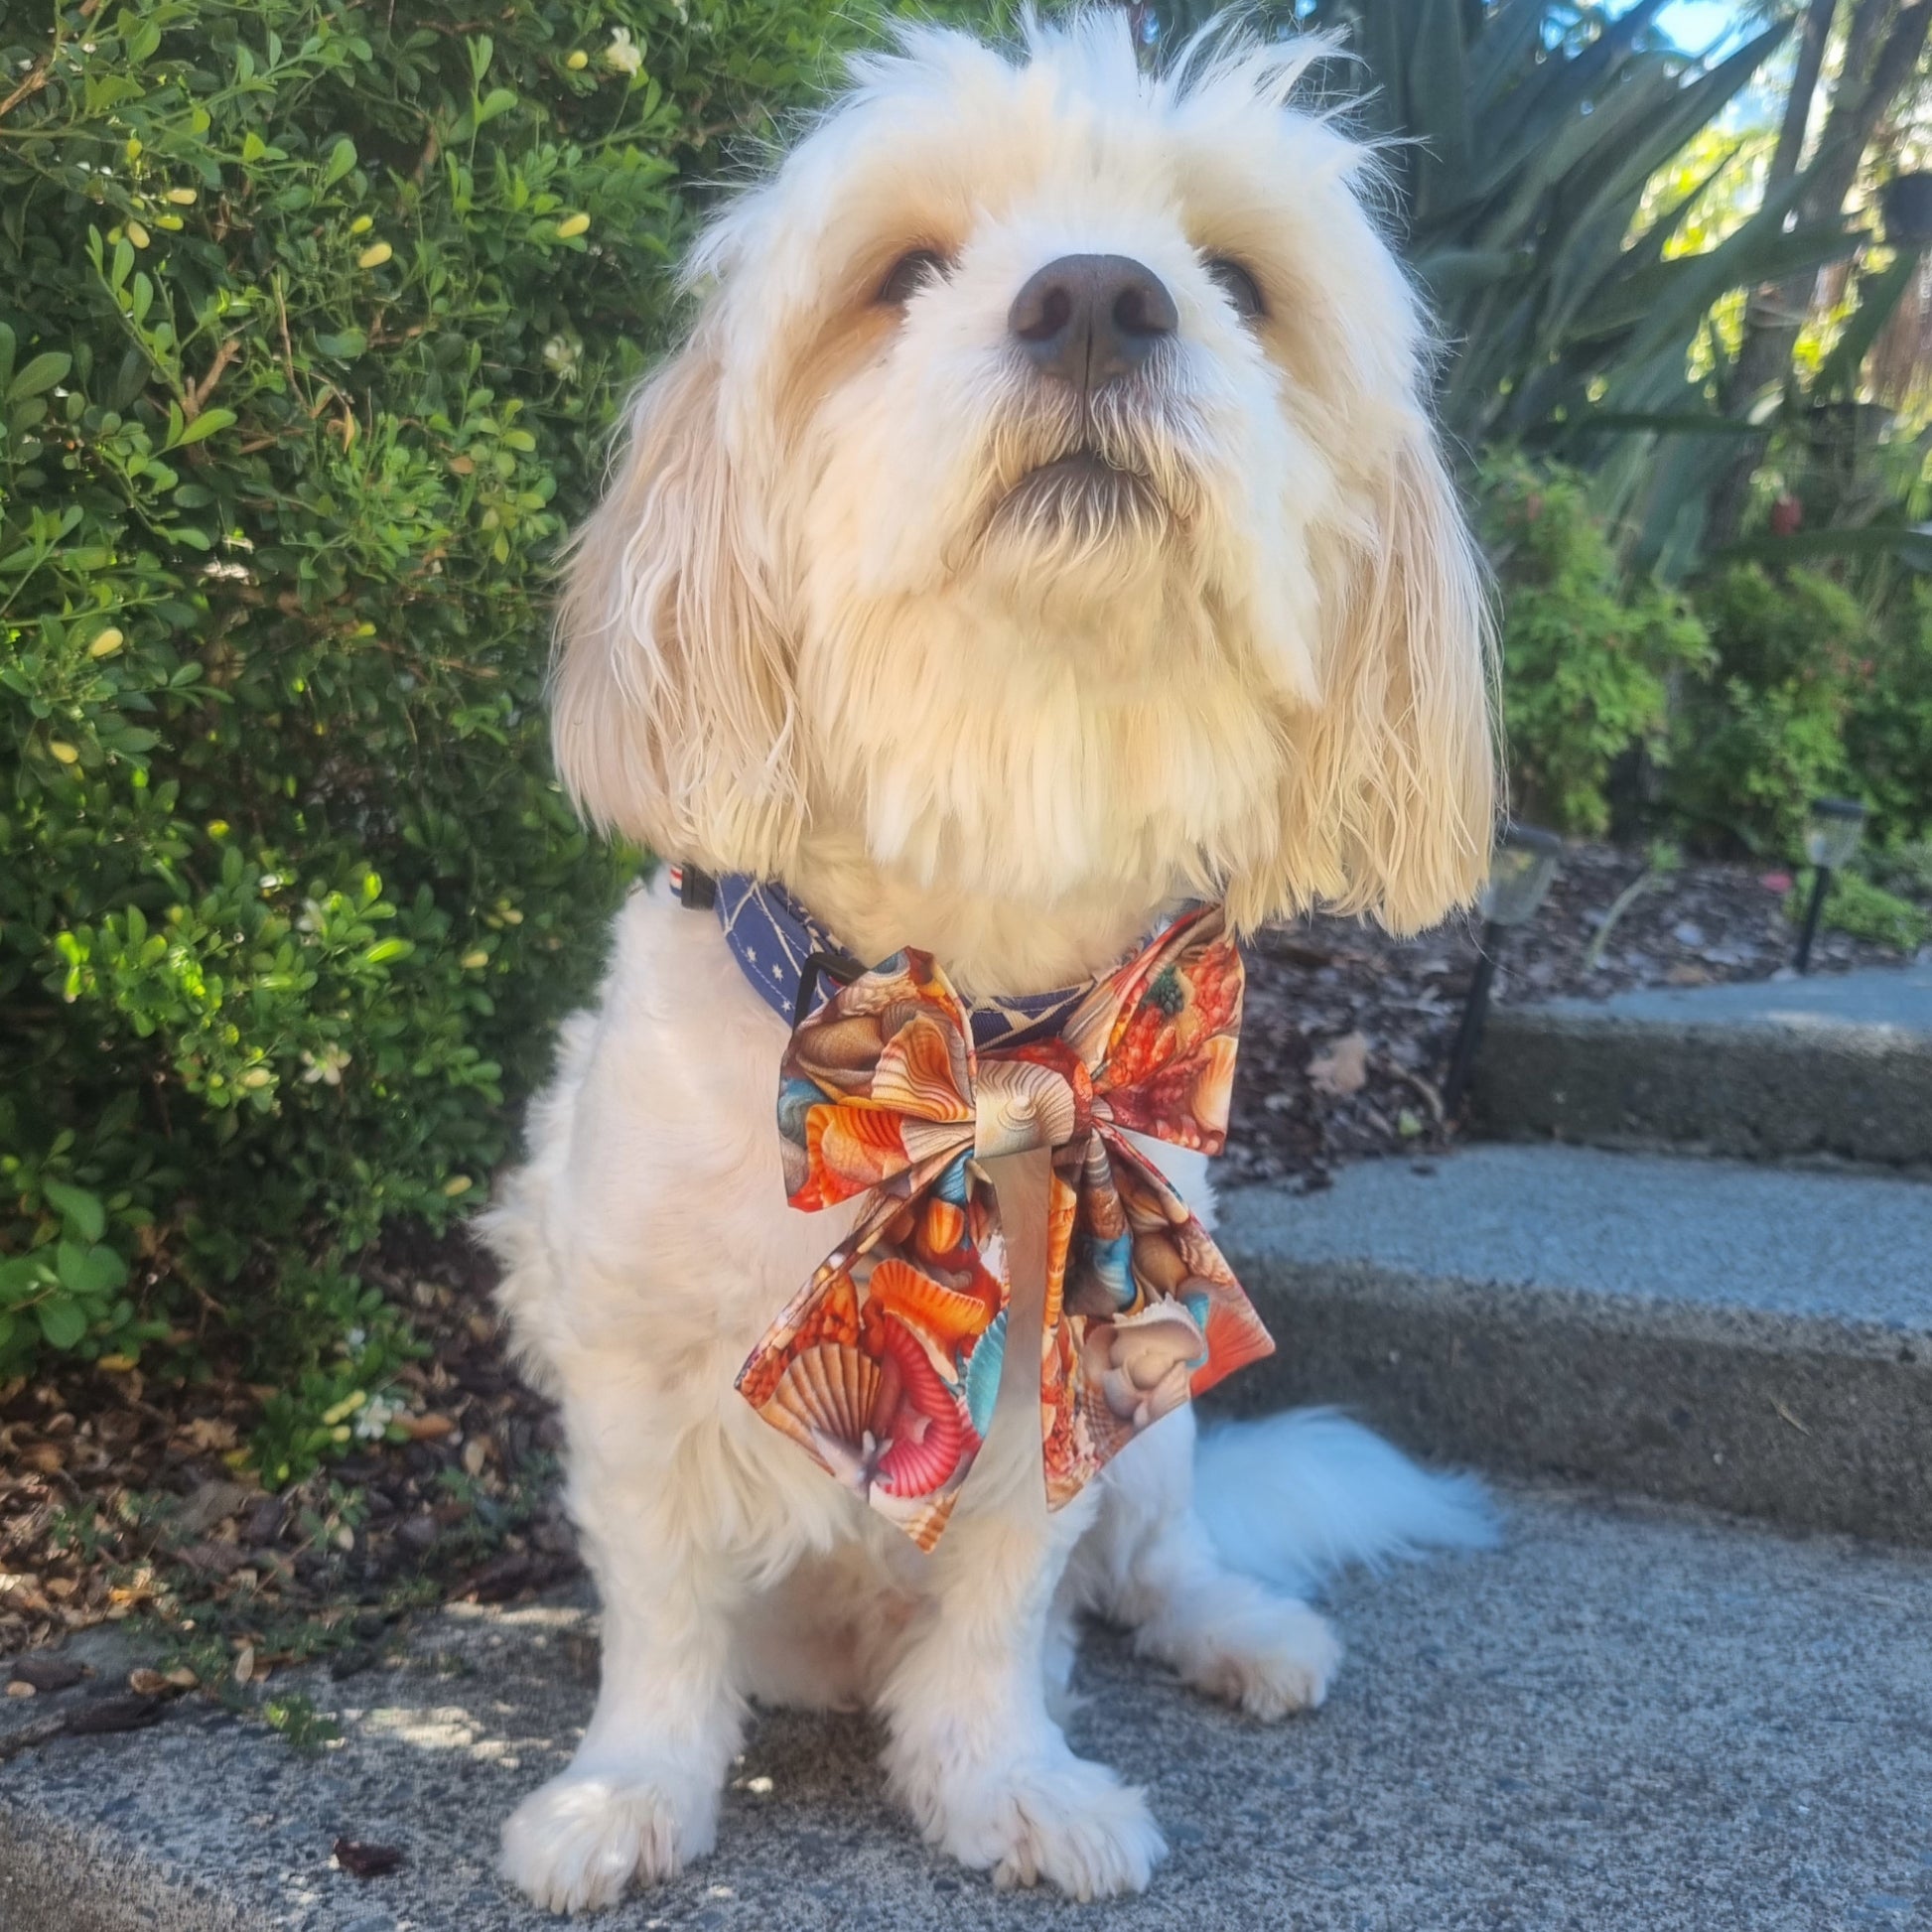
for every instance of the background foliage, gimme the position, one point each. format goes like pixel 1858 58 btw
pixel 311 316
pixel 1588 664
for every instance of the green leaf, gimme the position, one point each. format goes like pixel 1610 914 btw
pixel 20 1275
pixel 39 375
pixel 81 1211
pixel 341 157
pixel 385 950
pixel 98 1269
pixel 62 1320
pixel 209 423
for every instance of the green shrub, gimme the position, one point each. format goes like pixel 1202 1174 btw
pixel 311 316
pixel 1587 663
pixel 1888 733
pixel 1862 908
pixel 1767 732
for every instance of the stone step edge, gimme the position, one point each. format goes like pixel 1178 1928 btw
pixel 60 1877
pixel 1805 1420
pixel 1761 1034
pixel 1856 1093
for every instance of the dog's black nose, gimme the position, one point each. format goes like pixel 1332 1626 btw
pixel 1088 319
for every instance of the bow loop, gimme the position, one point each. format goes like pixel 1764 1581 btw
pixel 1160 1035
pixel 879 1081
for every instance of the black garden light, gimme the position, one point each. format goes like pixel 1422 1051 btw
pixel 1833 829
pixel 1520 872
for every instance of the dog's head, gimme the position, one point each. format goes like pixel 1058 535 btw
pixel 1045 502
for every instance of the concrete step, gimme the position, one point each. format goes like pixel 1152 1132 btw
pixel 1635 1717
pixel 1749 1338
pixel 1838 1066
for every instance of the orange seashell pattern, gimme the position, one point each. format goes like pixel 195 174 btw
pixel 876 1364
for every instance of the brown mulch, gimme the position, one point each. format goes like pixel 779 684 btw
pixel 1347 1031
pixel 119 1497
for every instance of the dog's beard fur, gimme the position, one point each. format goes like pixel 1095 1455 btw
pixel 875 608
pixel 1075 478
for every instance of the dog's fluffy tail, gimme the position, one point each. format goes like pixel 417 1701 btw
pixel 1290 1500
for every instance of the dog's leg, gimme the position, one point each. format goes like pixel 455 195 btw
pixel 972 1751
pixel 640 1797
pixel 1149 1564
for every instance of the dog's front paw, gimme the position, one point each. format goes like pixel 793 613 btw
pixel 1270 1660
pixel 1055 1817
pixel 576 1843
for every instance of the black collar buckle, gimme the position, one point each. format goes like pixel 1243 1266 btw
pixel 841 968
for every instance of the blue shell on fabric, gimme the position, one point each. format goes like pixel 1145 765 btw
pixel 796 1097
pixel 983 1375
pixel 952 1184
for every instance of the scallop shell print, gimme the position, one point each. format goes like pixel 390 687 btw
pixel 829 1393
pixel 925 1434
pixel 943 1313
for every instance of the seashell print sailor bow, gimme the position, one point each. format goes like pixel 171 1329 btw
pixel 885 1364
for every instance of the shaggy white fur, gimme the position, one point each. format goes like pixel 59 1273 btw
pixel 836 622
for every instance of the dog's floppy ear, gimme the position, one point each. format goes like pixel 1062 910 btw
pixel 671 690
pixel 1392 779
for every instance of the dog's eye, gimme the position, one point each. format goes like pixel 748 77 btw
pixel 1239 286
pixel 908 275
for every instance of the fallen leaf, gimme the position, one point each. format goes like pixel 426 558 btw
pixel 1342 1068
pixel 213 1559
pixel 115 1713
pixel 500 1579
pixel 244 1663
pixel 362 1861
pixel 20 1688
pixel 207 1433
pixel 48 1673
pixel 425 1429
pixel 149 1682
pixel 208 1504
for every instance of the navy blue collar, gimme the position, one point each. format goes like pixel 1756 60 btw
pixel 783 951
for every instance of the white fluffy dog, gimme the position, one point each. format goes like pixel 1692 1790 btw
pixel 1042 527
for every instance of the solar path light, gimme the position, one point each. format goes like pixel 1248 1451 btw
pixel 1833 829
pixel 1520 871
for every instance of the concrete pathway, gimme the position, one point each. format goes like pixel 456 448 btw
pixel 1633 1719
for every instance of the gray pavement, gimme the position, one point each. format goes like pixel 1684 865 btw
pixel 1630 1718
